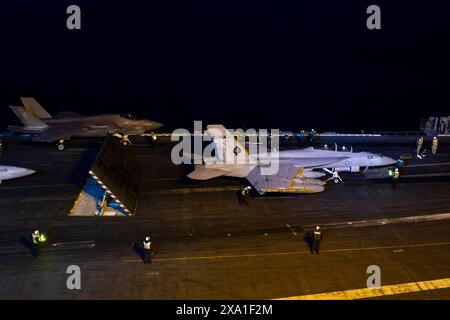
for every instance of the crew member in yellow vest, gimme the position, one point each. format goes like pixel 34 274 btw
pixel 419 145
pixel 147 249
pixel 434 145
pixel 317 238
pixel 36 239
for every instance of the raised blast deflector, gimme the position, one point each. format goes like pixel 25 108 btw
pixel 118 172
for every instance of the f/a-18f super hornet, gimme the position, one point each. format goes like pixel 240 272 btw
pixel 9 172
pixel 298 170
pixel 36 120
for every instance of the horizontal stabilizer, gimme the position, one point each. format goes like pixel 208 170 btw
pixel 191 158
pixel 203 173
pixel 27 118
pixel 55 133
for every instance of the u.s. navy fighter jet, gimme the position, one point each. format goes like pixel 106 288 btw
pixel 38 121
pixel 298 170
pixel 9 172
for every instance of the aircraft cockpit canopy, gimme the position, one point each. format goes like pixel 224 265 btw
pixel 129 116
pixel 335 147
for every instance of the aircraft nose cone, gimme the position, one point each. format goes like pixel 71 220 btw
pixel 155 125
pixel 26 172
pixel 388 161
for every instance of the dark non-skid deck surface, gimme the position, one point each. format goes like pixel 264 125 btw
pixel 210 247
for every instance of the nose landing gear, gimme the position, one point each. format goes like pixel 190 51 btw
pixel 61 145
pixel 334 176
pixel 125 141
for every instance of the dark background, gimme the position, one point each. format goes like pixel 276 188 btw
pixel 263 64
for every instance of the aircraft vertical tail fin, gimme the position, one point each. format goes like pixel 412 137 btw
pixel 27 118
pixel 225 141
pixel 31 105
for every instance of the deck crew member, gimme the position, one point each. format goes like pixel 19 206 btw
pixel 245 193
pixel 434 145
pixel 35 239
pixel 419 145
pixel 147 249
pixel 396 174
pixel 317 238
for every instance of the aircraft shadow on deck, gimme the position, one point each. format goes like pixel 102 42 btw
pixel 28 245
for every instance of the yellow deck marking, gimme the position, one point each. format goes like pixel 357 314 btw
pixel 376 292
pixel 75 204
pixel 297 190
pixel 299 172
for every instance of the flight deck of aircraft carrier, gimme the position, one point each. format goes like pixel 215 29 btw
pixel 211 239
pixel 214 158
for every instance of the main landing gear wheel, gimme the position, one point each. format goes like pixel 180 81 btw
pixel 60 146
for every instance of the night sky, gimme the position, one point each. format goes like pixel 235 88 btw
pixel 262 64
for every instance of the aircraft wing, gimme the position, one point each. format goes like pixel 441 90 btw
pixel 133 131
pixel 55 133
pixel 289 177
pixel 203 173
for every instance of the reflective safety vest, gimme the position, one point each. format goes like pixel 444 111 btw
pixel 317 235
pixel 35 238
pixel 147 245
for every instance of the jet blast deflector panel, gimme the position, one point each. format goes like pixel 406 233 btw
pixel 118 172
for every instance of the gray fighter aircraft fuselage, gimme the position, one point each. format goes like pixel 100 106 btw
pixel 36 120
pixel 10 172
pixel 298 170
pixel 339 161
pixel 93 126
